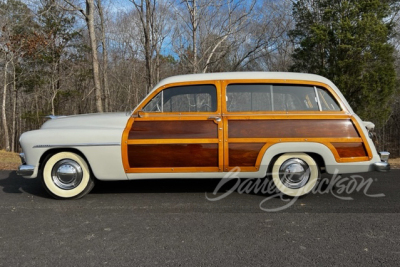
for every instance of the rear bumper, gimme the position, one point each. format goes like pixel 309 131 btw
pixel 383 165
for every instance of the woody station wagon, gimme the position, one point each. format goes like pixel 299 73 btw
pixel 290 126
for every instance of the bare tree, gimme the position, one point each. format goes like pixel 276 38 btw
pixel 106 91
pixel 146 11
pixel 88 14
pixel 205 25
pixel 3 104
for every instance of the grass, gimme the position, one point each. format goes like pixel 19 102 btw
pixel 11 161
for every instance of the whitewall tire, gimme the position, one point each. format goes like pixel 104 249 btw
pixel 295 174
pixel 66 175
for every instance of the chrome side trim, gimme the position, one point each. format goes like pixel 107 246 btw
pixel 25 170
pixel 74 145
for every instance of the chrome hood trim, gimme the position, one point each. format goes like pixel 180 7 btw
pixel 76 145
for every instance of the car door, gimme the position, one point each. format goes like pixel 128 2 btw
pixel 178 128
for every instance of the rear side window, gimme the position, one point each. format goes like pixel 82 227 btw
pixel 192 98
pixel 249 97
pixel 328 103
pixel 271 97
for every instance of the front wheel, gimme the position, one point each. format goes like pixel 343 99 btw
pixel 66 175
pixel 295 174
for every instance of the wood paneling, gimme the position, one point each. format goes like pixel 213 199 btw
pixel 173 155
pixel 173 129
pixel 349 150
pixel 291 129
pixel 244 154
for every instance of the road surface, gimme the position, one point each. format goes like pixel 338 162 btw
pixel 172 223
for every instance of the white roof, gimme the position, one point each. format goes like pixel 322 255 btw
pixel 244 75
pixel 256 75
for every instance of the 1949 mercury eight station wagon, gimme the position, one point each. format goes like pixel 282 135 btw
pixel 292 126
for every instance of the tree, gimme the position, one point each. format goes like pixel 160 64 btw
pixel 18 39
pixel 106 91
pixel 206 25
pixel 152 16
pixel 88 14
pixel 348 42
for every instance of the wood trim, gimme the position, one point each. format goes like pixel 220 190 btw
pixel 184 155
pixel 282 140
pixel 173 141
pixel 174 170
pixel 243 154
pixel 343 160
pixel 364 138
pixel 299 128
pixel 350 150
pixel 173 129
pixel 286 116
pixel 222 137
pixel 124 144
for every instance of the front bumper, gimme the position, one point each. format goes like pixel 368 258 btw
pixel 383 165
pixel 24 169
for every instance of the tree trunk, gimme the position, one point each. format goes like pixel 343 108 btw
pixel 193 14
pixel 106 90
pixel 3 110
pixel 14 103
pixel 95 60
pixel 147 46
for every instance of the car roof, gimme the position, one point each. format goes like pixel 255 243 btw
pixel 243 76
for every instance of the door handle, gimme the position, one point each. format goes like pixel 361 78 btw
pixel 215 118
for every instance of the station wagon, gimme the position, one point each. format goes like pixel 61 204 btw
pixel 289 126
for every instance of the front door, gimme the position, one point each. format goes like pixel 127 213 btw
pixel 179 129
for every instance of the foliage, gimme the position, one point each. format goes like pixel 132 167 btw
pixel 348 42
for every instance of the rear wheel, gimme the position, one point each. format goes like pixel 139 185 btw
pixel 66 175
pixel 295 174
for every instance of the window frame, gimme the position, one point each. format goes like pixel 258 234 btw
pixel 139 109
pixel 314 84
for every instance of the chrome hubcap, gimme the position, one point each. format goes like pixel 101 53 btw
pixel 67 174
pixel 294 173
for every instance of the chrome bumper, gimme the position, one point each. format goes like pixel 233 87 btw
pixel 25 170
pixel 384 165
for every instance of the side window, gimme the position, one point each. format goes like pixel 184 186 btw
pixel 192 98
pixel 328 103
pixel 154 105
pixel 294 97
pixel 249 97
pixel 270 97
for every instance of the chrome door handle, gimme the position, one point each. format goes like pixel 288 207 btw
pixel 217 119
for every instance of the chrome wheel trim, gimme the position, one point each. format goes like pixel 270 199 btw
pixel 313 177
pixel 294 173
pixel 67 174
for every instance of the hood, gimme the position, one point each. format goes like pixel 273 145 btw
pixel 96 120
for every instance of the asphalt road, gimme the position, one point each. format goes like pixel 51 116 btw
pixel 172 223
